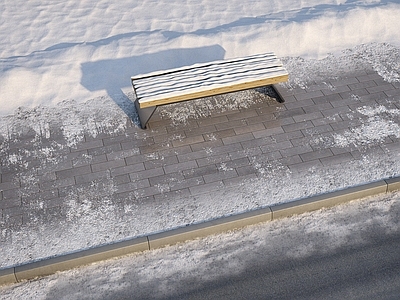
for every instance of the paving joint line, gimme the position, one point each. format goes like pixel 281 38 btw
pixel 51 265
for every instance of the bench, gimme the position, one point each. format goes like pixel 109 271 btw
pixel 203 80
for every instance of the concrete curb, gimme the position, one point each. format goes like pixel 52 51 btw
pixel 52 265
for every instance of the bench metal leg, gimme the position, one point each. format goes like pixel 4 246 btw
pixel 276 88
pixel 144 114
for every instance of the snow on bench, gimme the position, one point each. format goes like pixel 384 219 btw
pixel 203 80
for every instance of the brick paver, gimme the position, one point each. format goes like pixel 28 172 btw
pixel 202 155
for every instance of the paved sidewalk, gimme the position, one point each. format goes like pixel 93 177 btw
pixel 314 128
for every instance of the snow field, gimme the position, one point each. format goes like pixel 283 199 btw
pixel 106 43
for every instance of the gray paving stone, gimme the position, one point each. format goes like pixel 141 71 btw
pixel 105 149
pixel 257 142
pixel 219 134
pixel 108 165
pixel 161 162
pixel 127 169
pixel 230 125
pixel 279 122
pixel 216 177
pixel 11 202
pixel 186 183
pixel 211 144
pixel 336 111
pixel 296 150
pixel 289 113
pixel 345 81
pixel 339 126
pixel 121 179
pixel 260 119
pixel 200 171
pixel 249 128
pixel 238 138
pixel 4 186
pixel 298 104
pixel 173 195
pixel 88 159
pixel 305 166
pixel 290 160
pixel 287 136
pixel 337 159
pixel 87 145
pixel 306 140
pixel 308 117
pixel 206 188
pixel 317 87
pixel 238 181
pixel 316 155
pixel 188 141
pixel 335 90
pixel 267 132
pixel 358 93
pixel 244 114
pixel 132 186
pixel 393 147
pixel 200 130
pixel 110 140
pixel 102 174
pixel 309 95
pixel 180 166
pixel 317 130
pixel 247 152
pixel 170 151
pixel 276 147
pixel 392 93
pixel 146 174
pixel 73 172
pixel 194 155
pixel 116 155
pixel 137 143
pixel 327 99
pixel 149 191
pixel 380 88
pixel 368 77
pixel 233 164
pixel 297 126
pixel 246 171
pixel 362 84
pixel 13 211
pixel 213 159
pixel 213 121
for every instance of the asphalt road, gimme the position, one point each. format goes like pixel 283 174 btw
pixel 371 271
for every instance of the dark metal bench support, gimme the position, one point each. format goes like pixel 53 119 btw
pixel 144 114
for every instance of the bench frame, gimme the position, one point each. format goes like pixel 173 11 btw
pixel 271 75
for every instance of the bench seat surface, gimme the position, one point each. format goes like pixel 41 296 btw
pixel 206 79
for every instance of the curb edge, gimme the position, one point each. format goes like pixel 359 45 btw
pixel 152 241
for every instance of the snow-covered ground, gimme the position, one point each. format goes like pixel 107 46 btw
pixel 71 61
pixel 163 273
pixel 56 50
